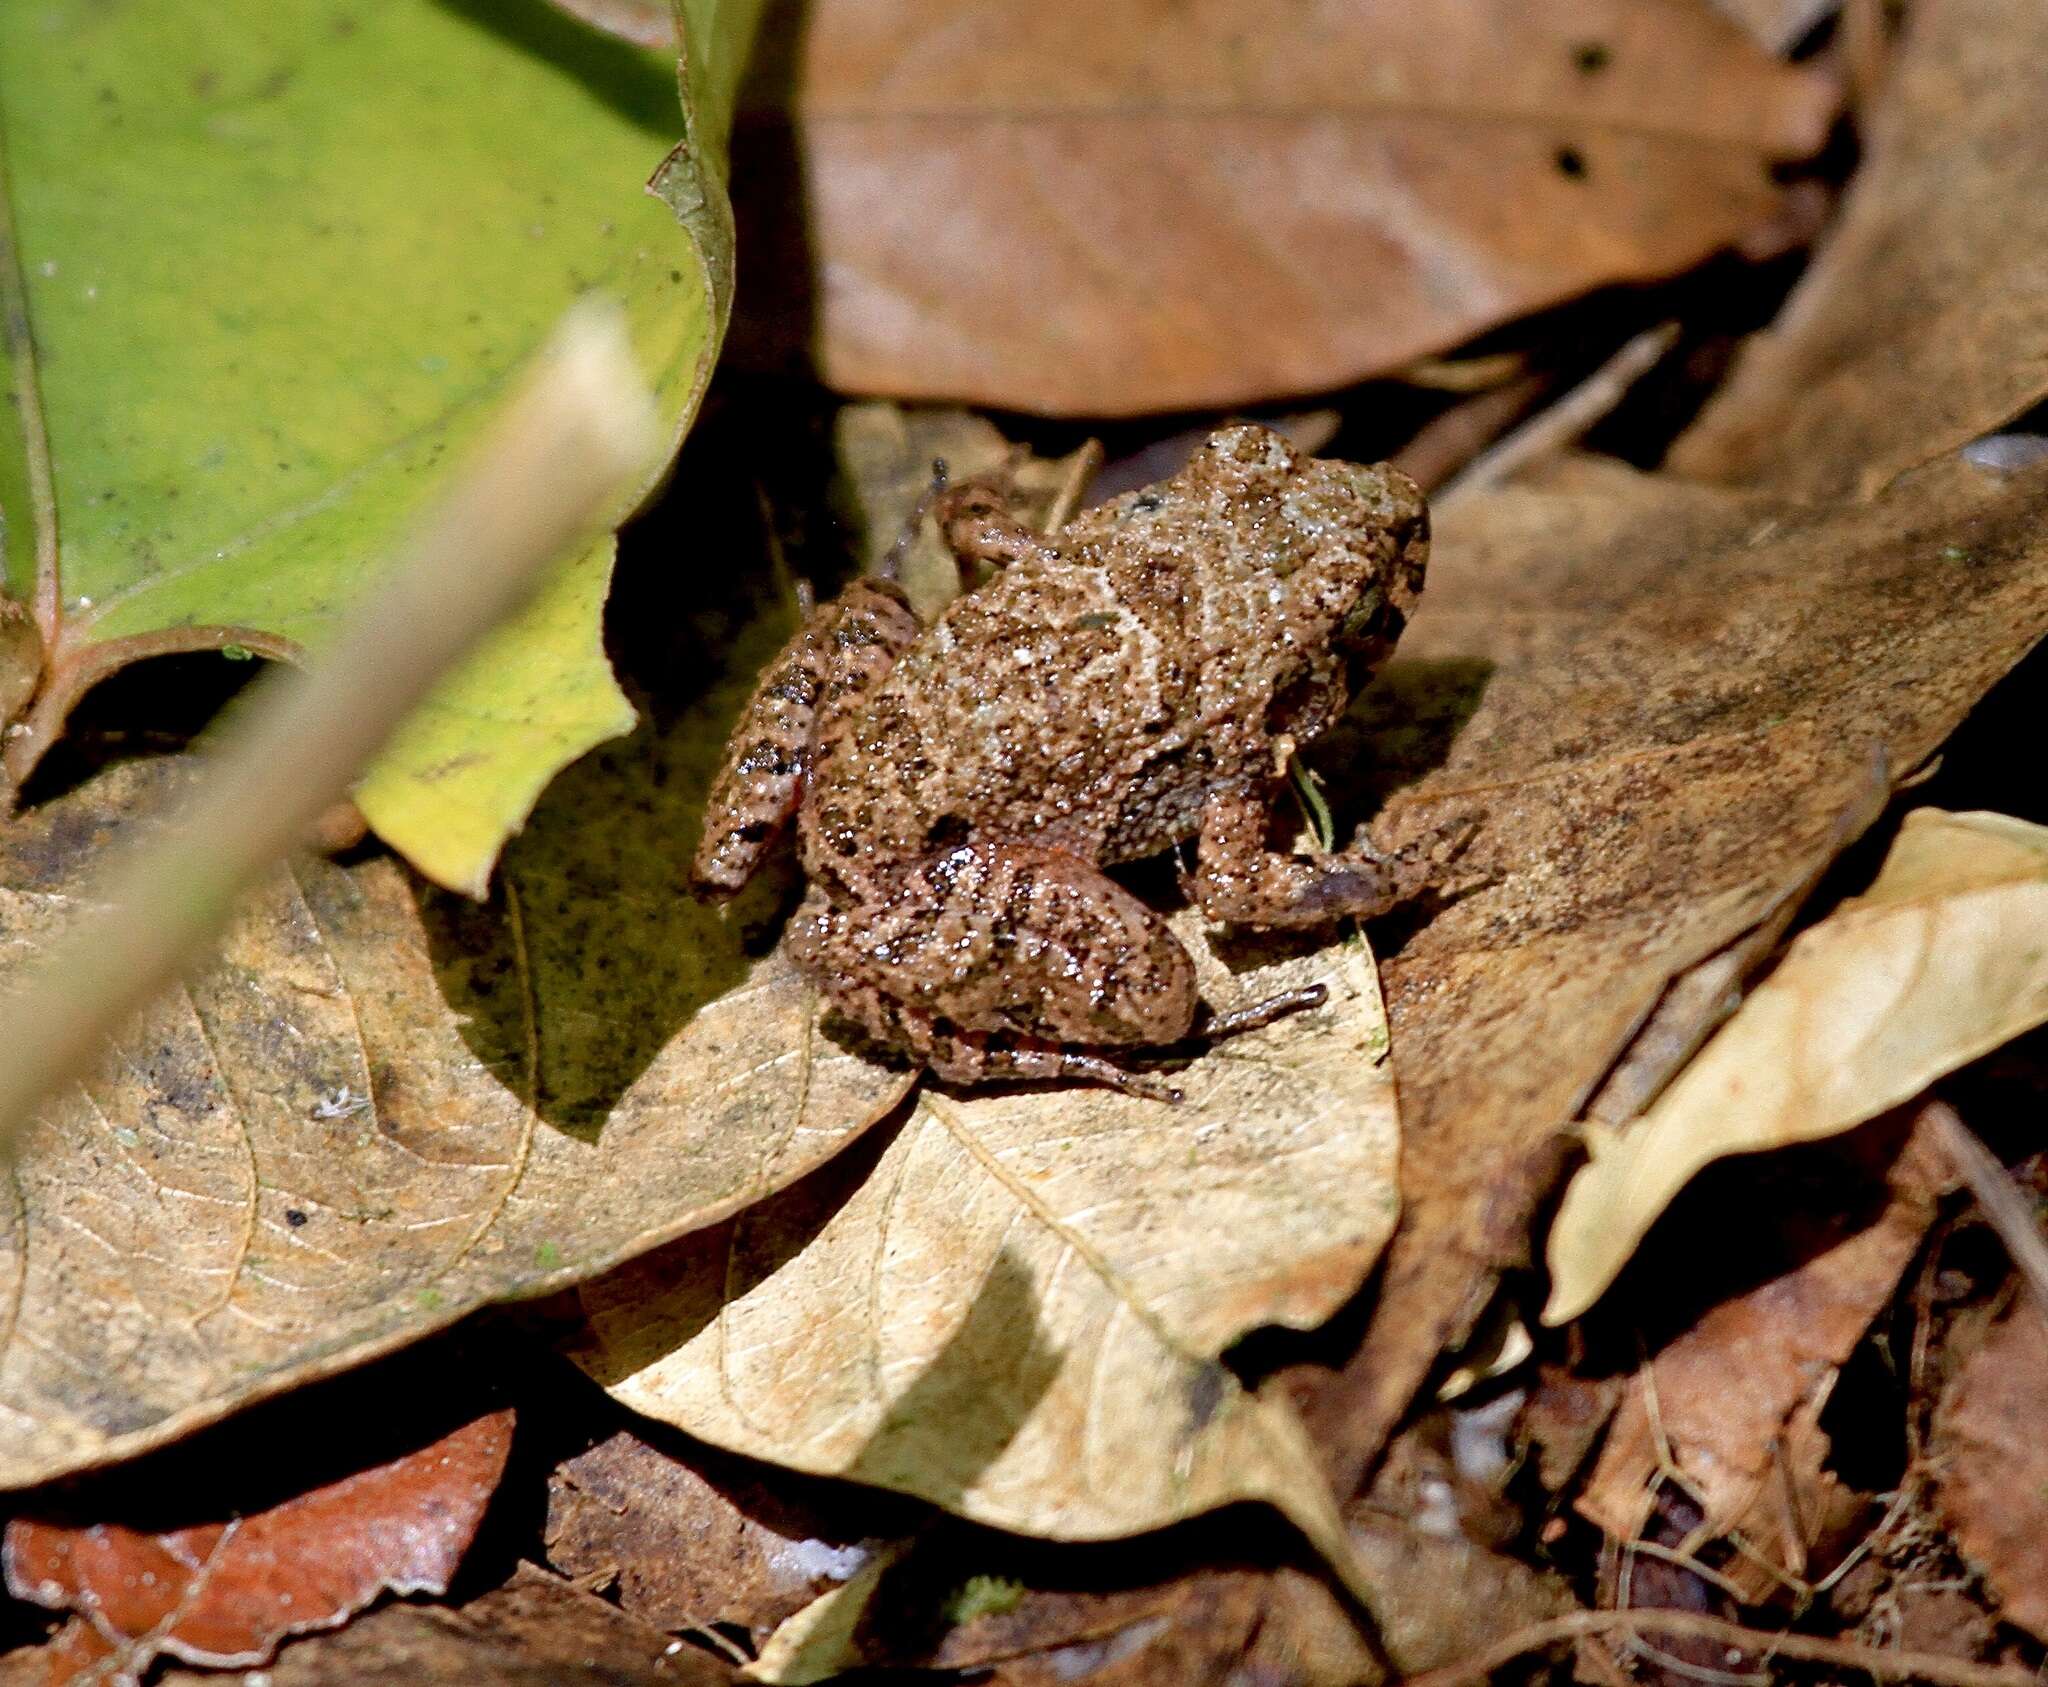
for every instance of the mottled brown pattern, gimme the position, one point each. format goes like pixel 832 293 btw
pixel 1137 679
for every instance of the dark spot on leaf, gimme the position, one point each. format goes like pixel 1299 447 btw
pixel 1592 57
pixel 1205 1394
pixel 1571 163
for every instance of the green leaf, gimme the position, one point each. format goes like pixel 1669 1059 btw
pixel 264 270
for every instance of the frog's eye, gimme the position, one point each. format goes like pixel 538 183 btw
pixel 1146 502
pixel 1362 618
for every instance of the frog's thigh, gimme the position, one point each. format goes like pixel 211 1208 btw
pixel 805 697
pixel 1009 937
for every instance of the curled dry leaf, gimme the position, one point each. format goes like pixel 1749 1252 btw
pixel 1991 1443
pixel 1944 958
pixel 1660 702
pixel 1016 1310
pixel 686 1545
pixel 1924 322
pixel 225 1593
pixel 1223 205
pixel 384 1104
pixel 1735 1398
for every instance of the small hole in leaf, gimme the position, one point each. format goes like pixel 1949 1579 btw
pixel 1571 163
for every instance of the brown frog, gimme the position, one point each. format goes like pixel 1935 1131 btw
pixel 1140 678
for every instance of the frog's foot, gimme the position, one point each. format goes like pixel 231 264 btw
pixel 1002 960
pixel 1239 881
pixel 805 699
pixel 976 1059
pixel 978 526
pixel 1258 1015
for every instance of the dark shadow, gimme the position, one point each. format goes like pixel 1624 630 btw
pixel 591 953
pixel 968 1404
pixel 775 314
pixel 634 83
pixel 1398 729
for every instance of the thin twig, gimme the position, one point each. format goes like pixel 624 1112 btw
pixel 1875 1661
pixel 1570 419
pixel 559 461
pixel 2005 1209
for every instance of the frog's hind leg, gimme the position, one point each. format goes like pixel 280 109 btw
pixel 843 650
pixel 1004 960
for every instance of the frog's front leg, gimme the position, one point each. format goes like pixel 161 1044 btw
pixel 977 524
pixel 1238 880
pixel 805 698
pixel 999 959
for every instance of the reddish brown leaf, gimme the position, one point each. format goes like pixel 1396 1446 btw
pixel 225 1593
pixel 1156 205
pixel 1991 1442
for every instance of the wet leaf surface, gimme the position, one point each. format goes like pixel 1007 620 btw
pixel 1924 320
pixel 1147 166
pixel 1013 1306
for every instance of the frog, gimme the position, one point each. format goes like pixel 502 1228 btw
pixel 1135 682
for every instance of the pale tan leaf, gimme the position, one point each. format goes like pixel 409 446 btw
pixel 1944 958
pixel 1924 322
pixel 818 1642
pixel 1158 205
pixel 1016 1310
pixel 384 1105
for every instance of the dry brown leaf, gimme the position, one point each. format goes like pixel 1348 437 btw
pixel 1736 1396
pixel 533 1632
pixel 1113 209
pixel 1016 1312
pixel 1991 1444
pixel 1924 322
pixel 386 1105
pixel 1659 702
pixel 224 1593
pixel 687 1545
pixel 1944 958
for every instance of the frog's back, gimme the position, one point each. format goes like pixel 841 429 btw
pixel 1025 711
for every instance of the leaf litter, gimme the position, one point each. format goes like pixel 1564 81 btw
pixel 383 1105
pixel 1675 704
pixel 1016 1310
